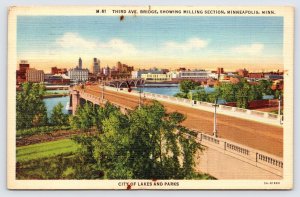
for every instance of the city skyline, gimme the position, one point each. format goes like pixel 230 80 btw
pixel 254 43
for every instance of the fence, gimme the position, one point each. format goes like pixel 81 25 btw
pixel 252 156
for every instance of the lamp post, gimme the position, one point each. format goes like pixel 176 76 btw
pixel 191 94
pixel 102 91
pixel 215 131
pixel 279 109
pixel 140 99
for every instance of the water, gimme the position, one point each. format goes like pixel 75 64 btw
pixel 58 91
pixel 266 97
pixel 51 102
pixel 169 91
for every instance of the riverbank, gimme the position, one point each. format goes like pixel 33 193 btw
pixel 55 95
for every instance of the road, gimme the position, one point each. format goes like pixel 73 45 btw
pixel 256 135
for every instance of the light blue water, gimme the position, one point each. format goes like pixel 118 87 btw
pixel 58 91
pixel 170 91
pixel 51 102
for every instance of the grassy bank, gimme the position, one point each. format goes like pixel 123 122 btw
pixel 45 150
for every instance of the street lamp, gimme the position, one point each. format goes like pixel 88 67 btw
pixel 279 108
pixel 140 99
pixel 215 132
pixel 102 91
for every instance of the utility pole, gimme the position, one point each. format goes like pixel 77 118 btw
pixel 215 132
pixel 279 109
pixel 140 99
pixel 102 91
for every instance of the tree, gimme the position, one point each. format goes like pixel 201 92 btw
pixel 30 107
pixel 84 118
pixel 242 96
pixel 277 93
pixel 186 85
pixel 255 93
pixel 147 143
pixel 200 95
pixel 228 91
pixel 102 113
pixel 265 87
pixel 58 117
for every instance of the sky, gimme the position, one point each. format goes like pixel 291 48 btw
pixel 205 42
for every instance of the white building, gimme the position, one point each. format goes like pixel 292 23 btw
pixel 194 74
pixel 137 74
pixel 214 75
pixel 155 77
pixel 172 74
pixel 106 71
pixel 78 75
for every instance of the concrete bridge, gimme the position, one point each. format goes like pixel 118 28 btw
pixel 124 83
pixel 240 152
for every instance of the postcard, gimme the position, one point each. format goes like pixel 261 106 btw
pixel 150 97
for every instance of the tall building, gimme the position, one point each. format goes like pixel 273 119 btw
pixel 120 67
pixel 34 75
pixel 106 71
pixel 124 68
pixel 21 73
pixel 80 63
pixel 220 70
pixel 96 66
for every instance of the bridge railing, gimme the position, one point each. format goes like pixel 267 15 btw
pixel 252 156
pixel 265 117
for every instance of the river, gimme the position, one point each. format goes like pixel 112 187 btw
pixel 51 102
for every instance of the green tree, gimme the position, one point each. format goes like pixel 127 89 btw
pixel 30 107
pixel 242 96
pixel 186 86
pixel 58 117
pixel 228 91
pixel 84 117
pixel 255 93
pixel 147 143
pixel 102 113
pixel 265 87
pixel 277 93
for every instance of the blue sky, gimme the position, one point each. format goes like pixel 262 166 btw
pixel 146 41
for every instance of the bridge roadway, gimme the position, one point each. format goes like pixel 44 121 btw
pixel 257 135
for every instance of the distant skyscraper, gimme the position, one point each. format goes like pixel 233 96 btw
pixel 96 66
pixel 80 63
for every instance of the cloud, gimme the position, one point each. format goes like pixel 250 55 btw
pixel 76 42
pixel 252 49
pixel 70 40
pixel 190 44
pixel 119 45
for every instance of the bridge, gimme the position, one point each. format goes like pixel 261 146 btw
pixel 124 83
pixel 249 143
